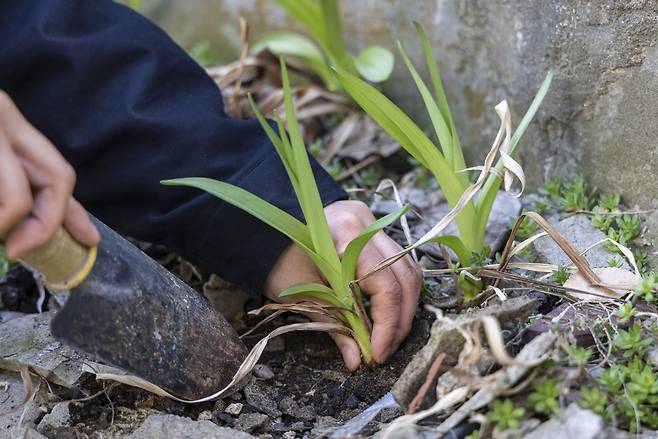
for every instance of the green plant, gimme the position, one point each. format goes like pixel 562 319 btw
pixel 447 163
pixel 544 398
pixel 614 262
pixel 642 260
pixel 552 189
pixel 626 312
pixel 561 275
pixel 632 342
pixel 578 356
pixel 577 195
pixel 314 236
pixel 505 415
pixel 370 177
pixel 201 53
pixel 594 400
pixel 629 226
pixel 648 287
pixel 609 202
pixel 315 148
pixel 526 229
pixel 335 168
pixel 602 222
pixel 321 19
pixel 481 258
pixel 4 262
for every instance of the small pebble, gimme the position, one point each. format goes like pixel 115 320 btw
pixel 205 415
pixel 263 371
pixel 226 418
pixel 220 405
pixel 289 435
pixel 234 409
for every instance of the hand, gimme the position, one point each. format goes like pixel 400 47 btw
pixel 393 292
pixel 36 184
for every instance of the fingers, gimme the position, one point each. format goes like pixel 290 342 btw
pixel 385 297
pixel 37 199
pixel 77 222
pixel 409 277
pixel 15 194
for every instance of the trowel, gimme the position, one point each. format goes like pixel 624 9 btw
pixel 126 310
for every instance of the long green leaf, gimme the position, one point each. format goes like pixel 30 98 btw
pixel 264 211
pixel 456 245
pixel 277 141
pixel 443 133
pixel 315 291
pixel 308 12
pixel 354 248
pixel 439 93
pixel 310 200
pixel 492 185
pixel 297 45
pixel 399 126
pixel 333 35
pixel 245 200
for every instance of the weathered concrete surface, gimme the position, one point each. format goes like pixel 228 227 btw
pixel 599 118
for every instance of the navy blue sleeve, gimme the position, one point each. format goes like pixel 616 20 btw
pixel 127 108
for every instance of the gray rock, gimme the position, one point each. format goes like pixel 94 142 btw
pixel 58 417
pixel 572 422
pixel 205 415
pixel 289 435
pixel 260 396
pixel 27 341
pixel 290 407
pixel 252 421
pixel 225 297
pixel 505 210
pixel 580 232
pixel 263 371
pixel 234 409
pixel 445 338
pixel 171 426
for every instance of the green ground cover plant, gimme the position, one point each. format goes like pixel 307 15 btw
pixel 445 162
pixel 322 20
pixel 313 236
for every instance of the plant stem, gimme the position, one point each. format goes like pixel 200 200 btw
pixel 361 336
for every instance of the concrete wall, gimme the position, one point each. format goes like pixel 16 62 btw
pixel 600 118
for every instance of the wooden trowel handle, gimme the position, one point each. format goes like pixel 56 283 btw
pixel 63 261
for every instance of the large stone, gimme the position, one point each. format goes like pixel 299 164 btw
pixel 580 232
pixel 445 338
pixel 573 422
pixel 27 341
pixel 171 426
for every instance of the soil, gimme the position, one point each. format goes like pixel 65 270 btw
pixel 307 367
